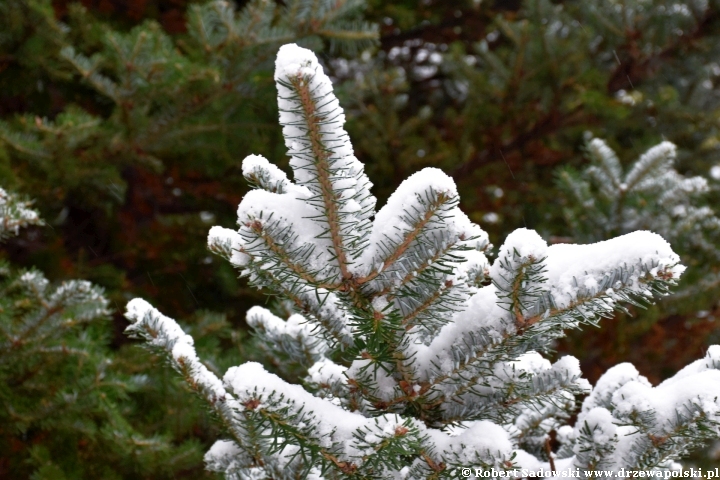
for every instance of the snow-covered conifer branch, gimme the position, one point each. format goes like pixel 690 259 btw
pixel 606 169
pixel 421 356
pixel 47 314
pixel 14 214
pixel 262 174
pixel 328 380
pixel 294 338
pixel 228 244
pixel 321 305
pixel 518 275
pixel 578 286
pixel 628 423
pixel 164 334
pixel 655 161
pixel 321 154
pixel 652 195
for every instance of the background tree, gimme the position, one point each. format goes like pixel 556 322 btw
pixel 135 129
pixel 67 403
pixel 603 200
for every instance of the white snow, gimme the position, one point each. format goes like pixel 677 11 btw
pixel 655 159
pixel 349 180
pixel 389 224
pixel 295 325
pixel 572 265
pixel 601 422
pixel 15 214
pixel 295 332
pixel 527 243
pixel 170 336
pixel 610 175
pixel 609 383
pixel 482 314
pixel 473 269
pixel 665 399
pixel 329 310
pixel 325 371
pixel 262 317
pixel 364 372
pixel 333 423
pixel 259 167
pixel 35 279
pixel 483 438
pixel 399 218
pixel 531 362
pixel 521 247
pixel 290 214
pixel 622 394
pixel 221 239
pixel 224 456
pixel 715 172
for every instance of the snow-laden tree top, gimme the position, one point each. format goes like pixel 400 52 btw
pixel 421 356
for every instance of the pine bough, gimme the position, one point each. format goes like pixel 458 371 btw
pixel 421 356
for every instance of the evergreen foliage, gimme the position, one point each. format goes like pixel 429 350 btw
pixel 501 93
pixel 504 90
pixel 157 94
pixel 494 92
pixel 135 126
pixel 424 357
pixel 651 195
pixel 15 214
pixel 609 198
pixel 65 402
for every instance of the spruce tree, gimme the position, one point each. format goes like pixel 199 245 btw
pixel 421 356
pixel 65 400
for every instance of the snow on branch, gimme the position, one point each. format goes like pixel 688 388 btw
pixel 420 356
pixel 322 156
pixel 294 337
pixel 656 160
pixel 14 214
pixel 605 202
pixel 626 422
pixel 164 333
pixel 260 173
